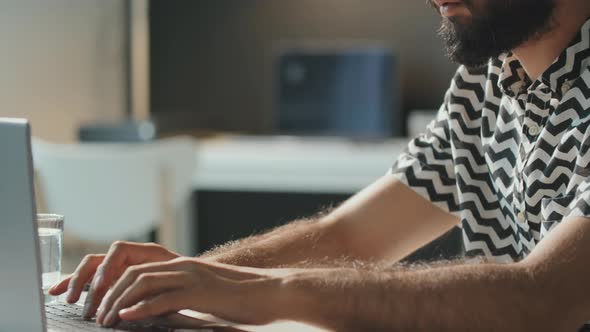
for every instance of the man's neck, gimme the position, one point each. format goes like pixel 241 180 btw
pixel 536 56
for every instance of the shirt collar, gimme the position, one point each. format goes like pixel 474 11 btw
pixel 568 67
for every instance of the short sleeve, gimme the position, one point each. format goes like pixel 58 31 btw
pixel 580 205
pixel 427 165
pixel 576 201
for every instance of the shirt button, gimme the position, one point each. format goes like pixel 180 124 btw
pixel 566 87
pixel 521 217
pixel 534 130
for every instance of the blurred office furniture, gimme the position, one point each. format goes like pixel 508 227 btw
pixel 349 90
pixel 126 131
pixel 109 192
pixel 246 185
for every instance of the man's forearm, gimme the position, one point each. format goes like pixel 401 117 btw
pixel 385 221
pixel 482 297
pixel 293 243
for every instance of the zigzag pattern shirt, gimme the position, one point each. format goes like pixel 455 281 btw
pixel 509 156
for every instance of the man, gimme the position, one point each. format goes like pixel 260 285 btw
pixel 507 158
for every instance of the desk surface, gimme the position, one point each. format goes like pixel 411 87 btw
pixel 286 164
pixel 283 326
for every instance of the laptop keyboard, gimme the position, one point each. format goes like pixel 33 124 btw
pixel 64 317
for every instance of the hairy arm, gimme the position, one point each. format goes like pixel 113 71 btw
pixel 548 291
pixel 281 246
pixel 387 220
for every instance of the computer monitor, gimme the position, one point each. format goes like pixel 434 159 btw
pixel 346 91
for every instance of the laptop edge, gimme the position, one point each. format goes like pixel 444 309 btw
pixel 22 308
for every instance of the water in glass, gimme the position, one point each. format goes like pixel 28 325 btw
pixel 50 242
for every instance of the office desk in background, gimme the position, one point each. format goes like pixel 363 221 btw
pixel 286 164
pixel 244 185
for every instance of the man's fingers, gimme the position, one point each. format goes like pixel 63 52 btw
pixel 82 275
pixel 146 285
pixel 99 287
pixel 94 298
pixel 119 256
pixel 129 277
pixel 60 288
pixel 112 265
pixel 158 305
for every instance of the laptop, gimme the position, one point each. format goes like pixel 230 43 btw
pixel 22 307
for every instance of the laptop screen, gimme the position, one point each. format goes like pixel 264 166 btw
pixel 21 308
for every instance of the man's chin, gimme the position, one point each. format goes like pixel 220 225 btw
pixel 458 22
pixel 470 59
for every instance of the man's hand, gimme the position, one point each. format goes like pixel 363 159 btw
pixel 104 270
pixel 239 294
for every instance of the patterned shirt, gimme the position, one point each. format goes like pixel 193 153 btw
pixel 509 156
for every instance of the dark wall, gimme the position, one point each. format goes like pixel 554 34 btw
pixel 213 58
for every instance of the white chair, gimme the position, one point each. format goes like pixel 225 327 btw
pixel 178 161
pixel 119 191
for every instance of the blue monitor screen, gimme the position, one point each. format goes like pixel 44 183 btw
pixel 349 93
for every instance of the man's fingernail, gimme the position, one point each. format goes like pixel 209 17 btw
pixel 100 314
pixel 100 311
pixel 70 295
pixel 86 312
pixel 109 320
pixel 96 281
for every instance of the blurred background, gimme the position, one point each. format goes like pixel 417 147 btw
pixel 151 118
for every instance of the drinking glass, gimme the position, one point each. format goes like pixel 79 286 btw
pixel 51 230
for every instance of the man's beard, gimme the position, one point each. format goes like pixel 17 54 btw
pixel 496 27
